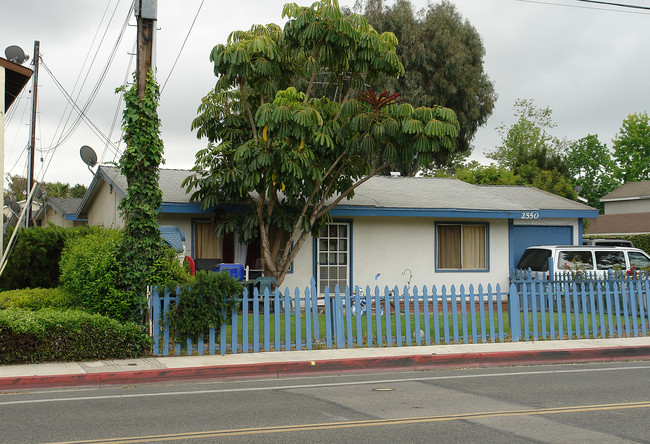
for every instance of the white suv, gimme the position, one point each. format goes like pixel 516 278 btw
pixel 583 258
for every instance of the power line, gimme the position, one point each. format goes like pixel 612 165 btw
pixel 540 2
pixel 182 46
pixel 622 5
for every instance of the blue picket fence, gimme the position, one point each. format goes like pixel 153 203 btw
pixel 581 305
pixel 533 308
pixel 306 320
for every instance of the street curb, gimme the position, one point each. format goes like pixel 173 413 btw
pixel 294 368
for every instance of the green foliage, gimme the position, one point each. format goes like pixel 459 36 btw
pixel 140 166
pixel 548 180
pixel 90 273
pixel 488 175
pixel 632 148
pixel 277 145
pixel 28 337
pixel 591 166
pixel 18 188
pixel 205 302
pixel 442 56
pixel 35 298
pixel 528 140
pixel 34 260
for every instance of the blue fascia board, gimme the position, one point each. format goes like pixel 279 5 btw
pixel 184 208
pixel 350 211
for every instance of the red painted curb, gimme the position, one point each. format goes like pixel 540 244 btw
pixel 279 369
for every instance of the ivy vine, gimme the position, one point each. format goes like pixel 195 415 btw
pixel 140 164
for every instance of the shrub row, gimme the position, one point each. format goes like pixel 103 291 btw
pixel 35 298
pixel 54 335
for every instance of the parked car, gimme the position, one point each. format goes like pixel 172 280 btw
pixel 583 258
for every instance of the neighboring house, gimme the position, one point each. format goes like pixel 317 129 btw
pixel 59 211
pixel 627 211
pixel 421 231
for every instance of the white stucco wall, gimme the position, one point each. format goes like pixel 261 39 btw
pixel 103 209
pixel 390 245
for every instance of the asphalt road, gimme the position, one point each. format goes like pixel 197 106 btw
pixel 608 402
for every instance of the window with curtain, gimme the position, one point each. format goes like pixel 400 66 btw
pixel 461 247
pixel 206 244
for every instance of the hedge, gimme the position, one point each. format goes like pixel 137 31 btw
pixel 28 337
pixel 35 298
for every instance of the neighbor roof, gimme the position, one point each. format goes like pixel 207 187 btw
pixel 16 77
pixel 629 191
pixel 617 224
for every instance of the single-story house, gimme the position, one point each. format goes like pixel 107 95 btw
pixel 627 211
pixel 421 231
pixel 61 211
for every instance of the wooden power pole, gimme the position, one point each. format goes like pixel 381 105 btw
pixel 145 11
pixel 32 138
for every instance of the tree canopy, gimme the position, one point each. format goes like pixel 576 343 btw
pixel 292 155
pixel 592 168
pixel 632 148
pixel 443 62
pixel 18 188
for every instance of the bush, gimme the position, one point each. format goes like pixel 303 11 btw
pixel 92 274
pixel 34 260
pixel 70 335
pixel 205 302
pixel 35 298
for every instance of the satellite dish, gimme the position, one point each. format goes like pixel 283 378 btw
pixel 12 204
pixel 16 54
pixel 88 155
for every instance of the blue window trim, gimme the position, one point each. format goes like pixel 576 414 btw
pixel 463 270
pixel 350 261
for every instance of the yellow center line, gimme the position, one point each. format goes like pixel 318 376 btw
pixel 365 423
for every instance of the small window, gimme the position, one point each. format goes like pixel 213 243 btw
pixel 462 247
pixel 610 260
pixel 638 260
pixel 575 260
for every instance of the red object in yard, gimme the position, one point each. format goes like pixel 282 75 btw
pixel 190 261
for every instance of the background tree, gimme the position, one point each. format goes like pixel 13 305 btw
pixel 442 56
pixel 17 188
pixel 632 148
pixel 528 140
pixel 592 168
pixel 293 156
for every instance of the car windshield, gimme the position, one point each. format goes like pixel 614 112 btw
pixel 534 258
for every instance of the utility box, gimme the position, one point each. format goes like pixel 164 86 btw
pixel 147 9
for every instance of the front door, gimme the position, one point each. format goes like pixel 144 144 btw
pixel 333 253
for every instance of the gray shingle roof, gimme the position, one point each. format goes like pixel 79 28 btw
pixel 399 192
pixel 441 193
pixel 629 190
pixel 64 205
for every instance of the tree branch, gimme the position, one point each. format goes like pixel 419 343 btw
pixel 248 109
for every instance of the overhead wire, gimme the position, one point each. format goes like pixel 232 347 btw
pixel 81 71
pixel 540 2
pixel 182 46
pixel 98 84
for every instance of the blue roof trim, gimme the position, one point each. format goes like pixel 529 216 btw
pixel 460 213
pixel 184 208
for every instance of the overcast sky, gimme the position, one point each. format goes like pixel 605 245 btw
pixel 589 63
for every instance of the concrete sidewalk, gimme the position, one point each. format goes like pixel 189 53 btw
pixel 279 364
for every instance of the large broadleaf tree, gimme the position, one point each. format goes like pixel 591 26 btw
pixel 279 157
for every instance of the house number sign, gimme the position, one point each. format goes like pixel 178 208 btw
pixel 530 215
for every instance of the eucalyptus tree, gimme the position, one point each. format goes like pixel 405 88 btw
pixel 289 154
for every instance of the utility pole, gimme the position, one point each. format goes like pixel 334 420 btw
pixel 32 139
pixel 145 11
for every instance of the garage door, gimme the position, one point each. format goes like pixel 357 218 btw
pixel 524 236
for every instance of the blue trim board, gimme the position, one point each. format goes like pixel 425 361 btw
pixel 349 211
